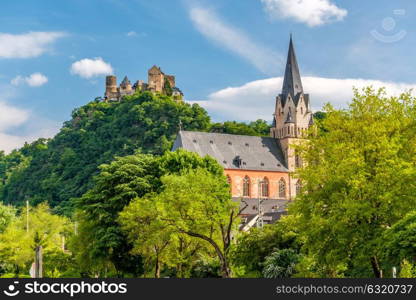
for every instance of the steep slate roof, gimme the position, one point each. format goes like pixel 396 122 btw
pixel 125 81
pixel 255 153
pixel 292 83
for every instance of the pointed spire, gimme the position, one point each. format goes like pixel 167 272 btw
pixel 125 81
pixel 292 83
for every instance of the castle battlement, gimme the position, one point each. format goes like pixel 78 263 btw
pixel 157 82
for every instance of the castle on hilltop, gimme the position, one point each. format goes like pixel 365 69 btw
pixel 157 82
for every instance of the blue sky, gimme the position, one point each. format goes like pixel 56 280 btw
pixel 226 54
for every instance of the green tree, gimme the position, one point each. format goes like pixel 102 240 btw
pixel 280 264
pixel 160 244
pixel 197 204
pixel 7 215
pixel 400 241
pixel 257 128
pixel 359 182
pixel 17 242
pixel 251 248
pixel 407 270
pixel 120 182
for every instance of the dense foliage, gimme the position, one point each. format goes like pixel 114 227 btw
pixel 139 210
pixel 251 248
pixel 103 245
pixel 359 181
pixel 63 168
pixel 35 227
pixel 256 128
pixel 191 217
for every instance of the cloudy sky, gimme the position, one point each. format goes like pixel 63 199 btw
pixel 227 55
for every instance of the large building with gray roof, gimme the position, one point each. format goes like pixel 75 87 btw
pixel 259 169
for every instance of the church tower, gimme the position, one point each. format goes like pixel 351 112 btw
pixel 292 117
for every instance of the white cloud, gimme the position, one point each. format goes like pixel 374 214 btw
pixel 34 80
pixel 131 33
pixel 88 68
pixel 26 45
pixel 14 119
pixel 11 116
pixel 311 12
pixel 234 40
pixel 9 142
pixel 256 99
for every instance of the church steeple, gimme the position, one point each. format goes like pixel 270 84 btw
pixel 292 83
pixel 292 117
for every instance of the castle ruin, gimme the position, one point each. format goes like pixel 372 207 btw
pixel 157 82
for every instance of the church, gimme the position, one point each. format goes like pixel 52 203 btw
pixel 259 169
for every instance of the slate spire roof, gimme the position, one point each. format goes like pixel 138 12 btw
pixel 292 83
pixel 125 81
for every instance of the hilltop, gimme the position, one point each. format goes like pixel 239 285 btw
pixel 62 168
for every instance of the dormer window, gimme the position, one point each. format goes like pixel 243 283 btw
pixel 238 161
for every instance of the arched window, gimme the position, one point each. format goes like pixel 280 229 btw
pixel 301 110
pixel 229 182
pixel 282 188
pixel 298 187
pixel 246 187
pixel 264 187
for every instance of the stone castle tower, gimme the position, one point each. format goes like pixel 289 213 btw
pixel 157 82
pixel 292 117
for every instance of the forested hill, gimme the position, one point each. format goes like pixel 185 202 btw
pixel 62 168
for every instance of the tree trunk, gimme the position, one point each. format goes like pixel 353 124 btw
pixel 157 268
pixel 225 270
pixel 376 267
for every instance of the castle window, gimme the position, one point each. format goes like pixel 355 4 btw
pixel 282 188
pixel 264 187
pixel 301 110
pixel 298 187
pixel 246 187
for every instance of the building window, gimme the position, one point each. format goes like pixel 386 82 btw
pixel 229 182
pixel 264 187
pixel 246 187
pixel 282 188
pixel 301 110
pixel 298 187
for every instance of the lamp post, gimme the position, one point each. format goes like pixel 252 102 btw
pixel 259 206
